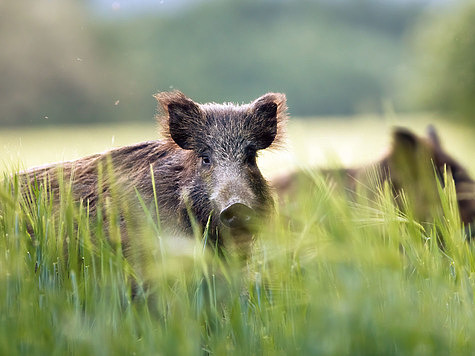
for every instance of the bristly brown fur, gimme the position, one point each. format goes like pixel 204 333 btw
pixel 186 105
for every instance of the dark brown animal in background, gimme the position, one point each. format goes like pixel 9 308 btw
pixel 204 167
pixel 411 167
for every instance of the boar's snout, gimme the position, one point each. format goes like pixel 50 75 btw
pixel 237 216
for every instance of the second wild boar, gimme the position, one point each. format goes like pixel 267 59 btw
pixel 414 166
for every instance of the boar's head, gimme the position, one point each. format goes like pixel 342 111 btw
pixel 223 141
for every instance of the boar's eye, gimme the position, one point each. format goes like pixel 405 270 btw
pixel 205 160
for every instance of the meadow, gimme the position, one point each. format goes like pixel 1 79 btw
pixel 325 277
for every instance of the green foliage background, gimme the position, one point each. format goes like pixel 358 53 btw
pixel 63 63
pixel 445 69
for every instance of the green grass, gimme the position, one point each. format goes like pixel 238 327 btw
pixel 325 277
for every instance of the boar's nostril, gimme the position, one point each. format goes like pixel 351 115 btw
pixel 237 215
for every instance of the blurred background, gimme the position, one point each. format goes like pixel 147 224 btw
pixel 78 76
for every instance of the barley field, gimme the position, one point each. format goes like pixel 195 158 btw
pixel 325 277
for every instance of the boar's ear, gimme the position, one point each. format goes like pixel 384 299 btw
pixel 181 118
pixel 404 139
pixel 269 113
pixel 403 158
pixel 404 146
pixel 434 137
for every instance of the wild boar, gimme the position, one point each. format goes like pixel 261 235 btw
pixel 414 166
pixel 204 169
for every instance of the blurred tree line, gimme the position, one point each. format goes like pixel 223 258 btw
pixel 61 63
pixel 53 68
pixel 444 74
